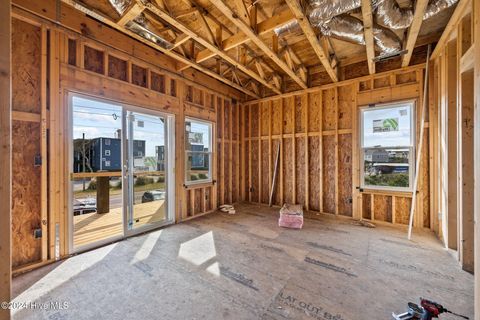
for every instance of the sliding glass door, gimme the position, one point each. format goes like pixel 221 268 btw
pixel 120 156
pixel 146 169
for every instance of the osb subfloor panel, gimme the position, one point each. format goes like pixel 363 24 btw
pixel 93 227
pixel 244 266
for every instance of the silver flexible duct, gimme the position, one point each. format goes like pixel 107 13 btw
pixel 120 5
pixel 288 27
pixel 139 26
pixel 390 15
pixel 386 40
pixel 437 6
pixel 322 11
pixel 348 28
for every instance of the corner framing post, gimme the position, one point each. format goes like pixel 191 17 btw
pixel 5 157
pixel 420 145
pixel 476 125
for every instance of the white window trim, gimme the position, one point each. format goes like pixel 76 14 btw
pixel 412 157
pixel 210 162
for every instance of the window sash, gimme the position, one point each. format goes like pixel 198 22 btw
pixel 411 148
pixel 209 153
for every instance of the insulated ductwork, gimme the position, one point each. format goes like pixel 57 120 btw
pixel 348 28
pixel 120 5
pixel 386 40
pixel 288 27
pixel 322 11
pixel 436 7
pixel 390 15
pixel 139 26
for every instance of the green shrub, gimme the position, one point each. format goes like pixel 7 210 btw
pixel 202 176
pixel 161 179
pixel 141 181
pixel 92 185
pixel 193 177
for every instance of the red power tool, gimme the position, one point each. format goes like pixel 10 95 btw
pixel 426 311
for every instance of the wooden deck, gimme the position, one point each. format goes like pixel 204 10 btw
pixel 89 228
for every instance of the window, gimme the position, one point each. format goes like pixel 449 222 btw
pixel 198 151
pixel 107 152
pixel 387 146
pixel 107 142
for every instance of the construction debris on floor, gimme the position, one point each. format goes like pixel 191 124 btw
pixel 227 208
pixel 291 216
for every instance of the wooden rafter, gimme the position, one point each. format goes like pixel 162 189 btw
pixel 312 38
pixel 414 30
pixel 209 44
pixel 239 38
pixel 368 32
pixel 167 52
pixel 222 7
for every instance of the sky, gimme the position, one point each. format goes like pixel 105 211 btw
pixel 391 138
pixel 99 119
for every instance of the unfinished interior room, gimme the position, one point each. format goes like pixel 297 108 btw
pixel 240 159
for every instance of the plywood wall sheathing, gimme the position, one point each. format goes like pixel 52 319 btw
pixel 318 133
pixel 5 156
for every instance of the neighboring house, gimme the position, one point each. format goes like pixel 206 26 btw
pixel 106 154
pixel 376 155
pixel 160 156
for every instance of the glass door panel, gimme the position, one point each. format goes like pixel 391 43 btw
pixel 96 171
pixel 146 158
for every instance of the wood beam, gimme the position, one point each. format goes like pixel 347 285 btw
pixel 209 44
pixel 239 38
pixel 368 32
pixel 167 52
pixel 414 30
pixel 476 125
pixel 222 7
pixel 181 39
pixel 312 38
pixel 5 157
pixel 134 11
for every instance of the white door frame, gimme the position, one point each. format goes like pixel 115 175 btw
pixel 170 170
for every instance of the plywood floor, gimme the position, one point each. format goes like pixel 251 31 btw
pixel 244 266
pixel 93 227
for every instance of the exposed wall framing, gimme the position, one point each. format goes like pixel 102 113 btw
pixel 71 62
pixel 319 163
pixel 453 132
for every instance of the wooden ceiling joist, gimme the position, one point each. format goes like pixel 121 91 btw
pixel 247 30
pixel 368 32
pixel 208 44
pixel 414 30
pixel 312 38
pixel 240 38
pixel 167 52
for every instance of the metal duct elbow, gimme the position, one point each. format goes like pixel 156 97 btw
pixel 386 40
pixel 322 11
pixel 289 27
pixel 120 5
pixel 390 15
pixel 433 8
pixel 346 28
